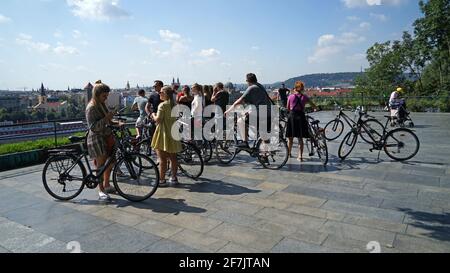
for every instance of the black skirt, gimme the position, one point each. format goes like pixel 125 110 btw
pixel 297 125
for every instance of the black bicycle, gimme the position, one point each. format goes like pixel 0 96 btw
pixel 317 143
pixel 272 153
pixel 190 161
pixel 135 176
pixel 335 128
pixel 399 144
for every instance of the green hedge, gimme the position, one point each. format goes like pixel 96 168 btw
pixel 39 144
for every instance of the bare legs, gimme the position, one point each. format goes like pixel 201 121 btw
pixel 301 147
pixel 99 162
pixel 163 160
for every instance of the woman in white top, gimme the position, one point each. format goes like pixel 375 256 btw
pixel 198 104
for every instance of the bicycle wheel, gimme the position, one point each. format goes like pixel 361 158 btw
pixel 136 182
pixel 225 151
pixel 273 154
pixel 206 151
pixel 334 129
pixel 347 145
pixel 63 177
pixel 190 161
pixel 376 130
pixel 322 148
pixel 401 144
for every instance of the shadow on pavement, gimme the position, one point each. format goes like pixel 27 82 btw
pixel 435 225
pixel 160 205
pixel 205 185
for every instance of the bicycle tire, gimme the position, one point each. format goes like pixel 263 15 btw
pixel 144 179
pixel 377 130
pixel 265 156
pixel 207 151
pixel 336 126
pixel 345 152
pixel 322 148
pixel 190 161
pixel 225 151
pixel 62 167
pixel 402 132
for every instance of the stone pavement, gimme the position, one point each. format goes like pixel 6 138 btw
pixel 244 208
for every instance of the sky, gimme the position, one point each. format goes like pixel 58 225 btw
pixel 68 43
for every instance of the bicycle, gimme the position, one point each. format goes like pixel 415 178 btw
pixel 394 143
pixel 190 161
pixel 271 153
pixel 317 142
pixel 335 128
pixel 135 176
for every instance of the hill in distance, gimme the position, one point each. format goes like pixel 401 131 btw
pixel 344 79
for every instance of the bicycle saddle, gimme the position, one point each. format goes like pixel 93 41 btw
pixel 75 139
pixel 315 122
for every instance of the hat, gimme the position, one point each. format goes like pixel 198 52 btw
pixel 400 90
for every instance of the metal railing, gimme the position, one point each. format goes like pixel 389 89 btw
pixel 45 129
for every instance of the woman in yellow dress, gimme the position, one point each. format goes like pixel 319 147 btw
pixel 163 142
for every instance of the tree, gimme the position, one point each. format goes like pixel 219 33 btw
pixel 433 30
pixel 419 62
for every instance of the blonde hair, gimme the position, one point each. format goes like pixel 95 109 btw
pixel 169 93
pixel 198 88
pixel 100 88
pixel 299 84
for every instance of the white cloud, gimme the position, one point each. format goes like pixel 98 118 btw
pixel 353 18
pixel 177 45
pixel 365 26
pixel 349 38
pixel 58 34
pixel 379 17
pixel 141 39
pixel 76 34
pixel 102 10
pixel 27 41
pixel 209 53
pixel 255 48
pixel 169 36
pixel 330 45
pixel 61 49
pixel 325 40
pixel 357 57
pixel 4 19
pixel 368 3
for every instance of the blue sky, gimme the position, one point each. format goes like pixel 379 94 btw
pixel 71 42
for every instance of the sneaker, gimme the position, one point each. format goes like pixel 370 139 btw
pixel 163 184
pixel 174 182
pixel 103 196
pixel 110 190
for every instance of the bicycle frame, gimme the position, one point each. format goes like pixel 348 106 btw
pixel 346 118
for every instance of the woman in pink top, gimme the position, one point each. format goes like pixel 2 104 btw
pixel 297 125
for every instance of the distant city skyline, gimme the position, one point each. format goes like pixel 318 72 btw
pixel 72 42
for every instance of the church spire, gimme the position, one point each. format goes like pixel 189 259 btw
pixel 42 90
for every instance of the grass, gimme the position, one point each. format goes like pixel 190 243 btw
pixel 39 144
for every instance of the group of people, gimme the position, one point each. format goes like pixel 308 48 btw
pixel 157 108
